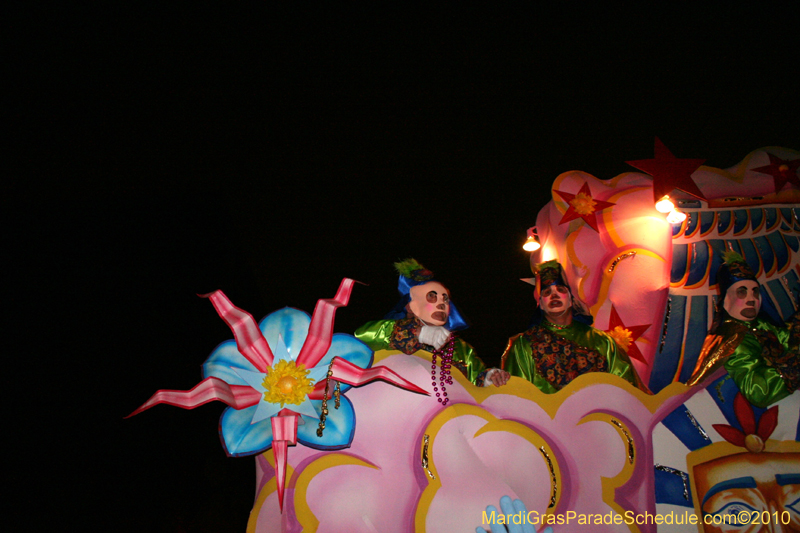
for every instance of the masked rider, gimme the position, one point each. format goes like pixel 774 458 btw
pixel 560 345
pixel 424 320
pixel 761 358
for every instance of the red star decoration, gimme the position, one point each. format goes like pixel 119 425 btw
pixel 635 331
pixel 592 204
pixel 782 171
pixel 669 172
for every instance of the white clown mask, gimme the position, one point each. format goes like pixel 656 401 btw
pixel 430 302
pixel 743 300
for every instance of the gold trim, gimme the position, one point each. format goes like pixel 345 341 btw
pixel 631 450
pixel 554 479
pixel 425 441
pixel 620 258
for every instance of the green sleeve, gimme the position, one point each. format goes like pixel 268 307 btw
pixel 474 367
pixel 518 361
pixel 377 335
pixel 762 385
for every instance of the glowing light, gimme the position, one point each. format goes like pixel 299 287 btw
pixel 532 242
pixel 531 245
pixel 548 253
pixel 675 217
pixel 665 205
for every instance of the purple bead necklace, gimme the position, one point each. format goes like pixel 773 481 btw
pixel 446 353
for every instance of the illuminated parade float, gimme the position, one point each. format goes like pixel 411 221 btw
pixel 689 414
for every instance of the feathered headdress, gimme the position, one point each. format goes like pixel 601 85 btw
pixel 411 274
pixel 733 269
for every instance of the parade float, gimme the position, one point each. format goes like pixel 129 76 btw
pixel 345 439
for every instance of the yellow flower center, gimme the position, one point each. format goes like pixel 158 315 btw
pixel 286 382
pixel 622 337
pixel 783 168
pixel 583 204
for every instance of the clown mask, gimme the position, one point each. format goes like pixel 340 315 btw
pixel 430 302
pixel 743 300
pixel 555 300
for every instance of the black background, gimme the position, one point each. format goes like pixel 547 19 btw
pixel 158 152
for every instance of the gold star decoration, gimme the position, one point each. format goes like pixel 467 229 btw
pixel 625 336
pixel 582 205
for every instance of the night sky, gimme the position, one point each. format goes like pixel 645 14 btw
pixel 160 152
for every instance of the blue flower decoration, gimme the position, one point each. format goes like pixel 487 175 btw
pixel 248 431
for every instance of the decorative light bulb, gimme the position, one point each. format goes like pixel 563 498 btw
pixel 665 205
pixel 531 245
pixel 532 242
pixel 676 217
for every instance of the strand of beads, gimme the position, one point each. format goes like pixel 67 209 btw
pixel 336 394
pixel 446 355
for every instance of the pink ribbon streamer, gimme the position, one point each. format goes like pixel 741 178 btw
pixel 284 434
pixel 208 390
pixel 321 329
pixel 249 340
pixel 354 375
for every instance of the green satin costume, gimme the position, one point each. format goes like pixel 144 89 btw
pixel 751 365
pixel 518 359
pixel 398 335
